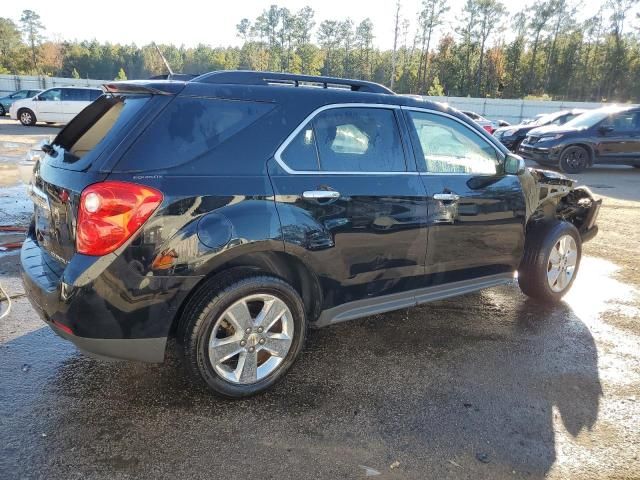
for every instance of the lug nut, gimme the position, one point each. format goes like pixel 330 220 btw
pixel 251 349
pixel 248 330
pixel 262 341
pixel 242 343
pixel 260 329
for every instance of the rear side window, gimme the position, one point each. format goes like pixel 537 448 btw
pixel 355 139
pixel 94 94
pixel 188 128
pixel 75 95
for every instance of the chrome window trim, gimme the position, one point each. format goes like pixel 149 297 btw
pixel 500 156
pixel 278 155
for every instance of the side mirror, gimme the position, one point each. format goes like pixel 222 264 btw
pixel 605 130
pixel 514 165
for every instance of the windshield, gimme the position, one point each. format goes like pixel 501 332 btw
pixel 545 119
pixel 589 119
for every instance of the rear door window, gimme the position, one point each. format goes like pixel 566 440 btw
pixel 188 128
pixel 94 94
pixel 347 139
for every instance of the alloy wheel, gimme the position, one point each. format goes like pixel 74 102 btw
pixel 562 263
pixel 251 338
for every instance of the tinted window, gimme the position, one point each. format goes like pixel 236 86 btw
pixel 94 94
pixel 447 146
pixel 188 128
pixel 107 119
pixel 348 140
pixel 19 95
pixel 33 93
pixel 301 153
pixel 623 122
pixel 75 94
pixel 54 94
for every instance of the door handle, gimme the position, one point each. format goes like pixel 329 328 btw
pixel 320 195
pixel 446 197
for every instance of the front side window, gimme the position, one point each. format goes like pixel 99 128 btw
pixel 447 146
pixel 349 139
pixel 55 94
pixel 623 122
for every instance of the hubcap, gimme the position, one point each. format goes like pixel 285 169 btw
pixel 562 263
pixel 251 339
pixel 25 117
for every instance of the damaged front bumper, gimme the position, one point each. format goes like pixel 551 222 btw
pixel 550 194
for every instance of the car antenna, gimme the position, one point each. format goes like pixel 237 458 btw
pixel 166 64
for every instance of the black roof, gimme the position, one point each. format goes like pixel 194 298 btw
pixel 310 90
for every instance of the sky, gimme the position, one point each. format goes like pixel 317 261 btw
pixel 211 22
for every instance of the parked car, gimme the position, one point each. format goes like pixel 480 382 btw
pixel 485 123
pixel 512 136
pixel 55 105
pixel 608 135
pixel 233 211
pixel 7 100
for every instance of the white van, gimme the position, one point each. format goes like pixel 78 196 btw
pixel 55 105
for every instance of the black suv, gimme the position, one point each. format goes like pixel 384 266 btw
pixel 512 136
pixel 608 135
pixel 235 210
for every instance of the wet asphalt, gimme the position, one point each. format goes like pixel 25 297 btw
pixel 488 385
pixel 473 387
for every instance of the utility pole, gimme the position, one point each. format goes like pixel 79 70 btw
pixel 395 45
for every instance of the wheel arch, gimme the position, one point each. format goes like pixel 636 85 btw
pixel 587 146
pixel 22 109
pixel 277 263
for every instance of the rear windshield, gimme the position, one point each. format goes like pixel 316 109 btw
pixel 188 128
pixel 91 130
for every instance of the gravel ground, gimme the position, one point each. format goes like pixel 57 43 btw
pixel 489 385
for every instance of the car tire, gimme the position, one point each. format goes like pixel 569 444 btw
pixel 26 117
pixel 552 254
pixel 214 316
pixel 636 166
pixel 574 159
pixel 3 112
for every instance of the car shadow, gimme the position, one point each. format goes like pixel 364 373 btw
pixel 469 387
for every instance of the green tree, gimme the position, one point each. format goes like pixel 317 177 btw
pixel 431 17
pixel 435 90
pixel 32 29
pixel 13 54
pixel 121 75
pixel 75 74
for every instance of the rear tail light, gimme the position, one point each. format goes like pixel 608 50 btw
pixel 488 128
pixel 110 213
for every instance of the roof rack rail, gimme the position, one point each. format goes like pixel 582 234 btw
pixel 250 77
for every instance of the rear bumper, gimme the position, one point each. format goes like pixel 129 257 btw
pixel 65 308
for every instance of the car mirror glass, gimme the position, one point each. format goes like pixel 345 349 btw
pixel 514 165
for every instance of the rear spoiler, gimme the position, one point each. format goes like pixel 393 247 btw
pixel 156 87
